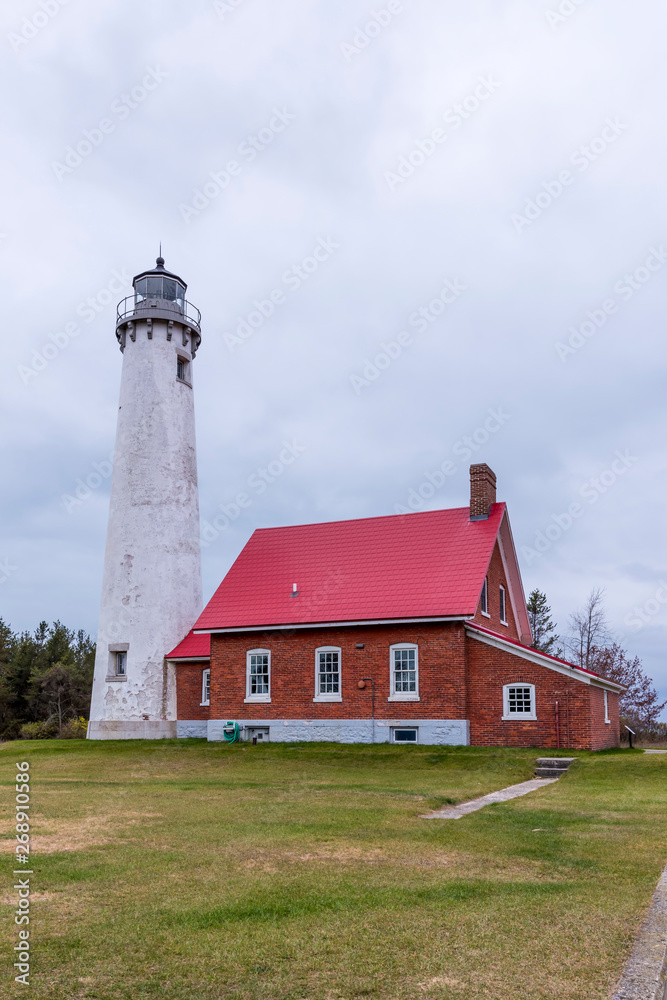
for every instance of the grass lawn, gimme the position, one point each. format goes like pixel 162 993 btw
pixel 177 870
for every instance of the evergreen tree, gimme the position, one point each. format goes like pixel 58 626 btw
pixel 43 676
pixel 544 632
pixel 7 640
pixel 16 685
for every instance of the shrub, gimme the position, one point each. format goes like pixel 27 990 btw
pixel 38 730
pixel 74 729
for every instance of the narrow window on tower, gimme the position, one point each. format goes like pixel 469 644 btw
pixel 181 369
pixel 121 663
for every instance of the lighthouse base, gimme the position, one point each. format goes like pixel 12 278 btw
pixel 103 729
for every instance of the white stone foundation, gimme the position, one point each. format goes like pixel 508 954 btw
pixel 432 732
pixel 195 730
pixel 132 730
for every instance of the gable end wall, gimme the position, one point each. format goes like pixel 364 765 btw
pixel 580 706
pixel 496 577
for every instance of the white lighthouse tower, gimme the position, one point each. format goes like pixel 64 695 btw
pixel 151 590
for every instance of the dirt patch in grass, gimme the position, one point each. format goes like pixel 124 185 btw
pixel 51 836
pixel 456 864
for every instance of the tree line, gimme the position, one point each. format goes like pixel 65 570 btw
pixel 589 643
pixel 46 680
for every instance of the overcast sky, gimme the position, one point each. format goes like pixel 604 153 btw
pixel 499 165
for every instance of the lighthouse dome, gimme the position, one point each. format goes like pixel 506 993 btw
pixel 159 283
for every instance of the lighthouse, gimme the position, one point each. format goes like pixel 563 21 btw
pixel 151 588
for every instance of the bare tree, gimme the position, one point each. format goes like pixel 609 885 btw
pixel 589 630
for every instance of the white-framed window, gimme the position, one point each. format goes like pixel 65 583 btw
pixel 405 734
pixel 258 675
pixel 606 707
pixel 120 657
pixel 327 674
pixel 206 687
pixel 404 672
pixel 519 701
pixel 503 606
pixel 182 369
pixel 484 600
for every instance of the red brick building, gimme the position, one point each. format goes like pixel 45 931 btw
pixel 409 629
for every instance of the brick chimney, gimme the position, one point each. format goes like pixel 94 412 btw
pixel 482 491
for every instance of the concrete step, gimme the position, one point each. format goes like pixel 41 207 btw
pixel 552 767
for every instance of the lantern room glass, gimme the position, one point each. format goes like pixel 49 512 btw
pixel 157 286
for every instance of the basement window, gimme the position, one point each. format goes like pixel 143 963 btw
pixel 519 701
pixel 484 600
pixel 404 735
pixel 206 687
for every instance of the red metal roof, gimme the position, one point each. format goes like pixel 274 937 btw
pixel 420 565
pixel 192 645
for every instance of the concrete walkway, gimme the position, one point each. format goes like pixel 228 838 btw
pixel 504 795
pixel 645 975
pixel 655 751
